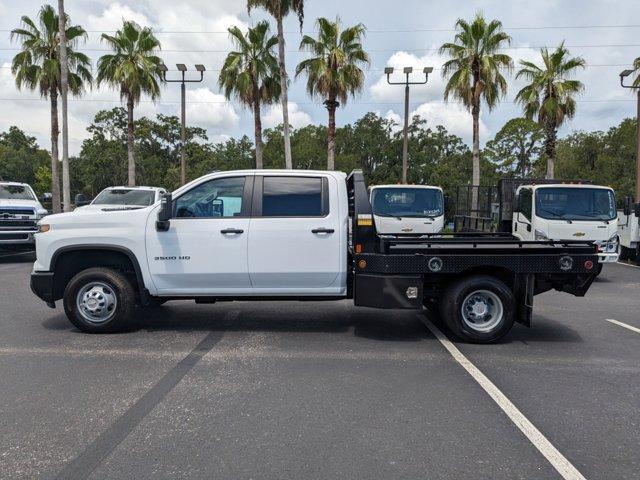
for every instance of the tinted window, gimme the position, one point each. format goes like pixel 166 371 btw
pixel 15 192
pixel 125 196
pixel 576 203
pixel 526 203
pixel 217 198
pixel 292 197
pixel 407 202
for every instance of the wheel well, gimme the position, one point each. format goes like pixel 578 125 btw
pixel 69 263
pixel 504 274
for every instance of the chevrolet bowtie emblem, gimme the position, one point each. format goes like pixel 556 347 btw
pixel 579 234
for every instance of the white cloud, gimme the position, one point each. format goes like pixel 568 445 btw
pixel 210 110
pixel 112 17
pixel 297 118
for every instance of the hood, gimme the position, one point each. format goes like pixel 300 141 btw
pixel 408 225
pixel 16 202
pixel 19 203
pixel 92 218
pixel 579 230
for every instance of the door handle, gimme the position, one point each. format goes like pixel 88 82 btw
pixel 322 230
pixel 231 231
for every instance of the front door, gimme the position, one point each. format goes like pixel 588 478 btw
pixel 294 239
pixel 204 252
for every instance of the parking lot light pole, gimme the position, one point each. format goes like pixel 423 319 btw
pixel 182 68
pixel 636 85
pixel 405 145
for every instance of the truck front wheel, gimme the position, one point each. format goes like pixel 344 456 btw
pixel 479 309
pixel 99 300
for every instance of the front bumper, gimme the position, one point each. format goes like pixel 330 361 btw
pixel 18 237
pixel 42 285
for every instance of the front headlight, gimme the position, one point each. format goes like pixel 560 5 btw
pixel 44 227
pixel 612 244
pixel 541 236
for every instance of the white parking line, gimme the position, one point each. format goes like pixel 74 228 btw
pixel 623 325
pixel 544 446
pixel 628 265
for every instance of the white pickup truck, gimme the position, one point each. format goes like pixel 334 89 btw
pixel 290 235
pixel 414 209
pixel 20 211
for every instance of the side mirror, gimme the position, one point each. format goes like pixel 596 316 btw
pixel 165 213
pixel 81 200
pixel 46 197
pixel 637 210
pixel 516 204
pixel 447 203
pixel 626 209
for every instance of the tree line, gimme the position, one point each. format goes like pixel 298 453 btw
pixel 372 143
pixel 255 74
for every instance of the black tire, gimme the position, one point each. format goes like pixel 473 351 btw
pixel 118 319
pixel 624 253
pixel 598 269
pixel 453 301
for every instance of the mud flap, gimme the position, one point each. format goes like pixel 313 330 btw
pixel 524 291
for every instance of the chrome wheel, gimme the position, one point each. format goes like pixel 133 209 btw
pixel 482 311
pixel 96 302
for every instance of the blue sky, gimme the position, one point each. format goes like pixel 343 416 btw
pixel 399 33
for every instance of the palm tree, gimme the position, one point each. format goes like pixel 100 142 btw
pixel 279 9
pixel 134 69
pixel 549 95
pixel 636 69
pixel 37 66
pixel 474 73
pixel 333 72
pixel 251 74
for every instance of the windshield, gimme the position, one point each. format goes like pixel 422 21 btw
pixel 16 192
pixel 125 196
pixel 407 202
pixel 576 203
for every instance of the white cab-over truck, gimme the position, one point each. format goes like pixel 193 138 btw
pixel 291 235
pixel 552 210
pixel 20 211
pixel 414 209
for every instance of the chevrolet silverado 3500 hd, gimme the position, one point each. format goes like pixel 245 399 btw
pixel 291 235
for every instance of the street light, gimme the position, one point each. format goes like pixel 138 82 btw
pixel 405 146
pixel 624 74
pixel 182 68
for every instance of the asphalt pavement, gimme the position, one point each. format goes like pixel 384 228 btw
pixel 309 390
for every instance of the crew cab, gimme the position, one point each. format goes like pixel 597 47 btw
pixel 414 209
pixel 291 235
pixel 20 211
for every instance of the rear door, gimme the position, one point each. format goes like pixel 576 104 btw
pixel 294 235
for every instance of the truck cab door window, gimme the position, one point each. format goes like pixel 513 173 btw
pixel 220 198
pixel 294 197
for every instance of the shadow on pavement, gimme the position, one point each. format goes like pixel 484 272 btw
pixel 284 317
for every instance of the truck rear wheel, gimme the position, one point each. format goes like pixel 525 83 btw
pixel 99 300
pixel 479 309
